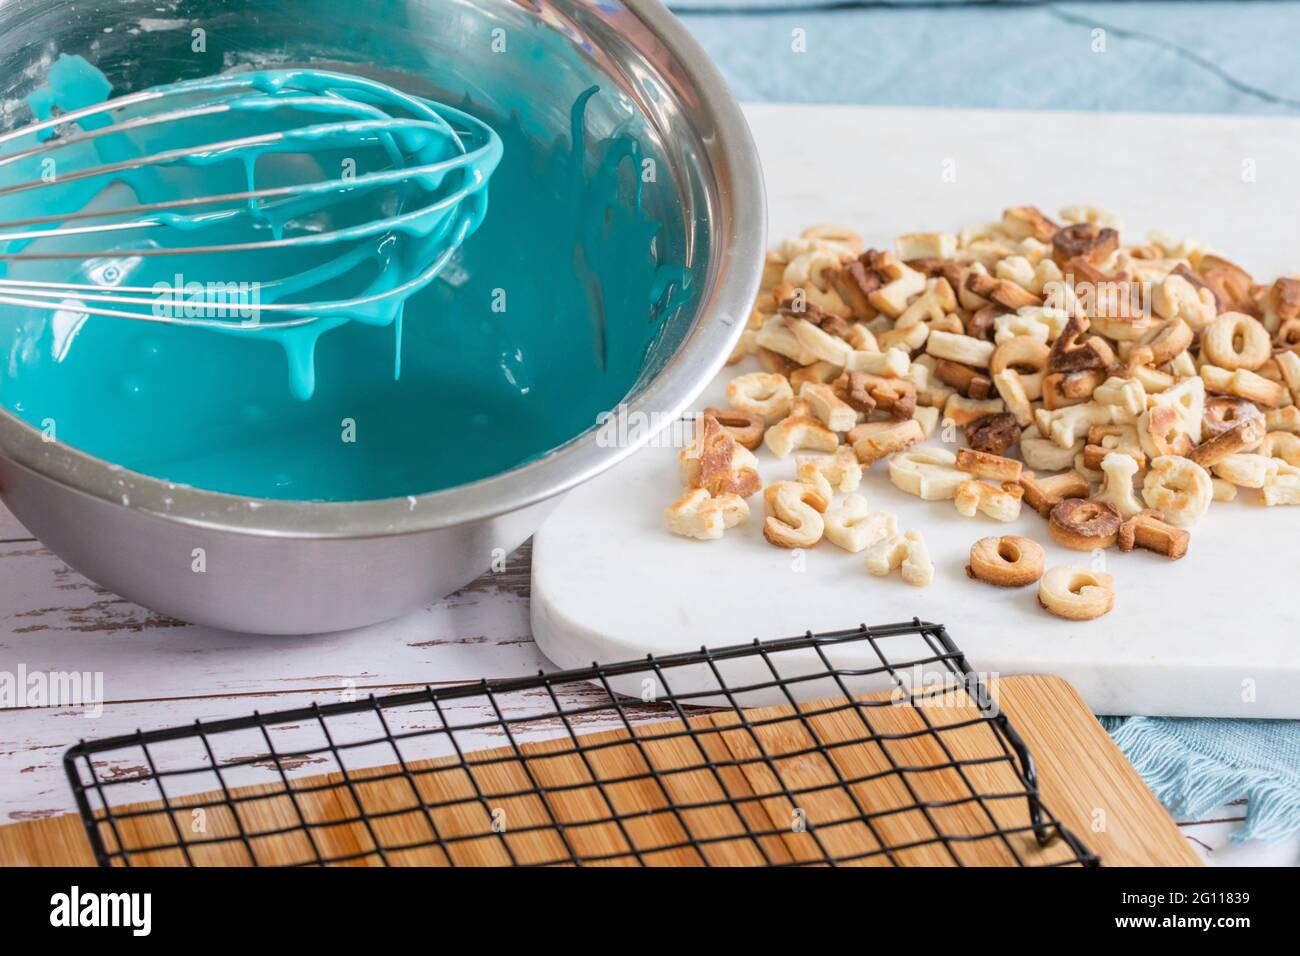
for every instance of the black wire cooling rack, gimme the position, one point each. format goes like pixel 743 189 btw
pixel 873 745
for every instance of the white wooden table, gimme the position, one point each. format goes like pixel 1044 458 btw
pixel 158 672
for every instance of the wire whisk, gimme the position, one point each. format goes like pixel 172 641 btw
pixel 254 202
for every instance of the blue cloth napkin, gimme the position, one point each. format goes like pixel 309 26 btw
pixel 1193 766
pixel 1138 55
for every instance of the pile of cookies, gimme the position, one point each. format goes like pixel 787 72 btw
pixel 1118 389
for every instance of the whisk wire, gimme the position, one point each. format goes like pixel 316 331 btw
pixel 313 312
pixel 420 208
pixel 377 227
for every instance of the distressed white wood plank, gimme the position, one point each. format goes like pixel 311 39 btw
pixel 32 742
pixel 158 673
pixel 53 619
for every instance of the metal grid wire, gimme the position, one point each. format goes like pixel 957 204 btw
pixel 768 753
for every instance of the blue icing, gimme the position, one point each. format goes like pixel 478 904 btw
pixel 539 321
pixel 72 84
pixel 309 253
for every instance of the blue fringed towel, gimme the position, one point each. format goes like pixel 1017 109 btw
pixel 1195 765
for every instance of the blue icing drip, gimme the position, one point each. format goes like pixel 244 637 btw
pixel 542 319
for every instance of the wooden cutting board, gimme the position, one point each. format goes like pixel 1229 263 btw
pixel 1206 636
pixel 1085 781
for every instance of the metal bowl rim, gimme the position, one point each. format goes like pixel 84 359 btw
pixel 697 360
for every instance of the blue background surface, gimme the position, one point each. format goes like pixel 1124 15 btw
pixel 1187 56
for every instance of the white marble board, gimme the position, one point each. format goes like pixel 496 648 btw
pixel 1215 634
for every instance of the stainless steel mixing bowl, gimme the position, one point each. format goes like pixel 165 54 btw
pixel 283 567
